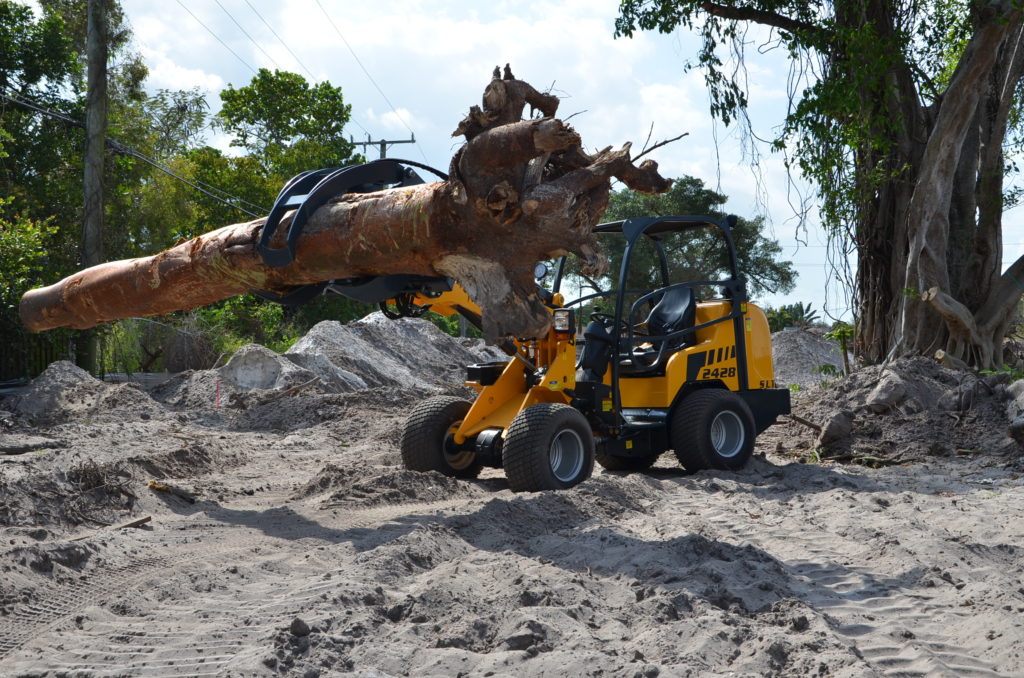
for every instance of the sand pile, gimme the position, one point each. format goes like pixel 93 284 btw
pixel 286 539
pixel 913 409
pixel 373 353
pixel 805 358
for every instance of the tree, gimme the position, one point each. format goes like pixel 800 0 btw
pixel 287 124
pixel 906 125
pixel 520 191
pixel 758 257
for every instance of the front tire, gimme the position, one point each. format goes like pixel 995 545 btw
pixel 427 443
pixel 548 446
pixel 712 429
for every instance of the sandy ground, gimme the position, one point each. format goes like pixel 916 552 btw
pixel 285 539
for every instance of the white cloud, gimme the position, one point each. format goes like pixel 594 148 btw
pixel 396 122
pixel 166 74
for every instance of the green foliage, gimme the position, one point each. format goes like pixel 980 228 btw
pixel 33 53
pixel 791 315
pixel 826 370
pixel 841 332
pixel 1012 372
pixel 284 124
pixel 857 70
pixel 287 124
pixel 451 325
pixel 248 319
pixel 23 247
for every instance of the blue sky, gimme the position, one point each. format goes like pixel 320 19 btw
pixel 419 65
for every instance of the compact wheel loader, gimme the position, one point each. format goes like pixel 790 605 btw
pixel 667 365
pixel 673 357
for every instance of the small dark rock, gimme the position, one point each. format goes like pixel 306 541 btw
pixel 1016 430
pixel 521 641
pixel 299 628
pixel 800 623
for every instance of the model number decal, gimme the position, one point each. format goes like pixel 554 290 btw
pixel 718 372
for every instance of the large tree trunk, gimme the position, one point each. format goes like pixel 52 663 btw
pixel 967 317
pixel 929 235
pixel 520 191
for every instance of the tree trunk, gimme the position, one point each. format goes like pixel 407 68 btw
pixel 520 191
pixel 966 318
pixel 95 143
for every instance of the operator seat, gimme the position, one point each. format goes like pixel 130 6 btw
pixel 676 310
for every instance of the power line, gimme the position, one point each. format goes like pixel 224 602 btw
pixel 246 33
pixel 127 150
pixel 296 57
pixel 285 44
pixel 379 90
pixel 117 146
pixel 244 62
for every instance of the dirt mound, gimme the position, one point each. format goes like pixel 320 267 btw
pixel 63 392
pixel 910 410
pixel 804 358
pixel 354 487
pixel 405 353
pixel 408 355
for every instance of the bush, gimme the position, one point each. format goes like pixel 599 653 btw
pixel 791 315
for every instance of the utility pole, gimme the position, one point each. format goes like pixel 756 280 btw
pixel 95 142
pixel 381 143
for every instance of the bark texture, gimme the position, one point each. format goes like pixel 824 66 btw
pixel 519 191
pixel 929 238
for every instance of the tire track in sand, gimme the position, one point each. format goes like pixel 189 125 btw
pixel 201 636
pixel 898 629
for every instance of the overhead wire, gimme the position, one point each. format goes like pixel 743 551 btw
pixel 218 38
pixel 204 188
pixel 283 43
pixel 296 57
pixel 246 34
pixel 370 77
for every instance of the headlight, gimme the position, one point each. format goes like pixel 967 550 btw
pixel 563 320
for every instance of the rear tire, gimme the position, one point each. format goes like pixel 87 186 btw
pixel 712 429
pixel 612 463
pixel 548 446
pixel 427 443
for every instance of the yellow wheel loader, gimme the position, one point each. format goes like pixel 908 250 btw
pixel 674 356
pixel 681 365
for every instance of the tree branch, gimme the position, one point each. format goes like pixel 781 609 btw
pixel 762 17
pixel 666 142
pixel 956 315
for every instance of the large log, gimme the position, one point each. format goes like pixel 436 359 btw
pixel 519 191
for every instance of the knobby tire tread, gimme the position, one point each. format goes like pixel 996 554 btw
pixel 690 423
pixel 423 436
pixel 525 454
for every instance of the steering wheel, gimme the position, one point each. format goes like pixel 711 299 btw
pixel 609 321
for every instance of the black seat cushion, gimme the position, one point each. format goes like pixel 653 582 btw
pixel 675 310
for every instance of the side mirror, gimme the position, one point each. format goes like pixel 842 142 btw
pixel 540 271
